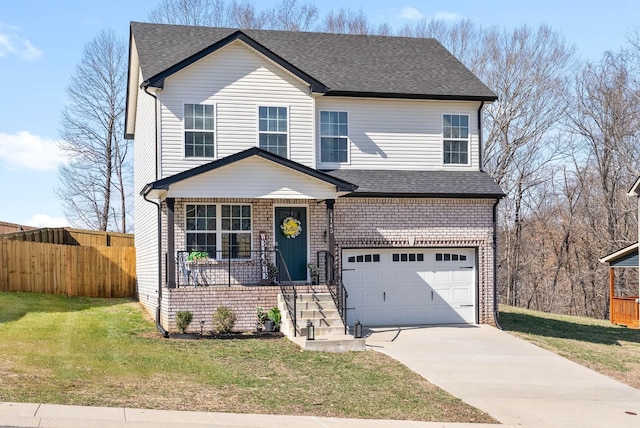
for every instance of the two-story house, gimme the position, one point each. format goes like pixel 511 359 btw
pixel 358 154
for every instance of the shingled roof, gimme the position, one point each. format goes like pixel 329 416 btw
pixel 428 184
pixel 333 64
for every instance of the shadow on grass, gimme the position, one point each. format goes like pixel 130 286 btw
pixel 15 305
pixel 549 327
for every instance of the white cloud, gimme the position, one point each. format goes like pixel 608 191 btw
pixel 12 43
pixel 448 16
pixel 44 220
pixel 411 13
pixel 25 150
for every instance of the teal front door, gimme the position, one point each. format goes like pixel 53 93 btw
pixel 291 237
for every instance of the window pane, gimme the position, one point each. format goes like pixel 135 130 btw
pixel 333 124
pixel 226 210
pixel 455 131
pixel 226 224
pixel 198 118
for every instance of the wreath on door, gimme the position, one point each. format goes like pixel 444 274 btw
pixel 291 227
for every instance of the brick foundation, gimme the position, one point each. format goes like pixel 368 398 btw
pixel 203 301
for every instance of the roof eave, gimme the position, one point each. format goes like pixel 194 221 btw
pixel 492 196
pixel 635 189
pixel 620 253
pixel 415 96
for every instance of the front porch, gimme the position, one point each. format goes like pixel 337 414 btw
pixel 623 310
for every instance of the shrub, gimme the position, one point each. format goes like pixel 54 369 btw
pixel 183 319
pixel 275 316
pixel 224 319
pixel 262 316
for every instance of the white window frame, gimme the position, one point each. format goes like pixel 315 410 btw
pixel 456 139
pixel 213 131
pixel 346 137
pixel 287 133
pixel 219 231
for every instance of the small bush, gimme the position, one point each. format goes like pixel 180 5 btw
pixel 275 316
pixel 183 319
pixel 224 319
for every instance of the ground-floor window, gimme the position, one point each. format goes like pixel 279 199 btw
pixel 222 230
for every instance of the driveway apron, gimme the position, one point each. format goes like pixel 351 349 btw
pixel 514 381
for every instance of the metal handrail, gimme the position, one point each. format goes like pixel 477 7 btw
pixel 334 284
pixel 284 282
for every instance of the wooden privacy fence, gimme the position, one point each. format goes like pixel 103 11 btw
pixel 73 270
pixel 69 236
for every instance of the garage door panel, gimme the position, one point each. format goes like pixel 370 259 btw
pixel 461 295
pixel 410 286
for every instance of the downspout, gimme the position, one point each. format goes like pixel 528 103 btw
pixel 480 136
pixel 161 329
pixel 495 265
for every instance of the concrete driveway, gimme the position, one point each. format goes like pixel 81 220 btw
pixel 514 381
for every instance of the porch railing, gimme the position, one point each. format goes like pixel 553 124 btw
pixel 625 311
pixel 244 267
pixel 326 262
pixel 287 288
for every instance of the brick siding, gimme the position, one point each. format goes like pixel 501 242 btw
pixel 359 223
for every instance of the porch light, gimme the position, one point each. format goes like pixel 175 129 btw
pixel 357 330
pixel 311 331
pixel 202 328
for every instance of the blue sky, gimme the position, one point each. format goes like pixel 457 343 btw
pixel 41 43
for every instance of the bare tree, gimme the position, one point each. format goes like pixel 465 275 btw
pixel 462 38
pixel 92 137
pixel 347 21
pixel 190 12
pixel 285 15
pixel 288 15
pixel 606 118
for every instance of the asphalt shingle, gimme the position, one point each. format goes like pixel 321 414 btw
pixel 411 67
pixel 420 183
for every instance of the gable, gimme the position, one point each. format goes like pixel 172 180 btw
pixel 253 178
pixel 252 173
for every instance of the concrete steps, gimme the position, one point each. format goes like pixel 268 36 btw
pixel 320 309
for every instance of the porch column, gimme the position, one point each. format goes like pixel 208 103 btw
pixel 612 281
pixel 171 251
pixel 331 237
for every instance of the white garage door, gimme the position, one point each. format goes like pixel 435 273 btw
pixel 410 286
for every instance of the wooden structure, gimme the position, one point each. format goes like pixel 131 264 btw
pixel 69 236
pixel 6 227
pixel 68 261
pixel 623 310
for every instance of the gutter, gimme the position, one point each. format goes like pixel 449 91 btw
pixel 144 192
pixel 480 136
pixel 496 316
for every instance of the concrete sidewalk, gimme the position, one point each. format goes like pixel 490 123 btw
pixel 56 416
pixel 514 381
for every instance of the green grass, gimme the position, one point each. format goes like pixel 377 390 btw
pixel 104 352
pixel 597 344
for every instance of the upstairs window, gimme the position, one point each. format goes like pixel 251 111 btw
pixel 334 140
pixel 455 132
pixel 198 131
pixel 273 129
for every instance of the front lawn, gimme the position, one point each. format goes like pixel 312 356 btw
pixel 611 350
pixel 106 352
